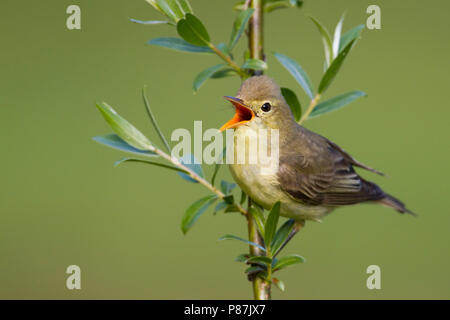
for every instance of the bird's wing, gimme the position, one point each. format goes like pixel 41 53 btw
pixel 324 176
pixel 352 160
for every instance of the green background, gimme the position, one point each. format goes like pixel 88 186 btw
pixel 63 202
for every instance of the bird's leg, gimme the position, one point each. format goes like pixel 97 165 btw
pixel 297 226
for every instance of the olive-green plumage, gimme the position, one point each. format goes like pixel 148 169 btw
pixel 314 175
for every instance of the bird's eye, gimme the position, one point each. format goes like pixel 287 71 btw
pixel 266 107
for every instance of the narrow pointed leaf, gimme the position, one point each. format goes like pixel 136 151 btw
pixel 218 164
pixel 149 21
pixel 220 206
pixel 279 284
pixel 349 36
pixel 293 102
pixel 125 130
pixel 261 259
pixel 334 68
pixel 205 75
pixel 271 224
pixel 155 5
pixel 227 72
pixel 337 36
pixel 326 40
pixel 271 5
pixel 112 140
pixel 233 237
pixel 281 235
pixel 239 26
pixel 171 9
pixel 148 162
pixel 297 72
pixel 226 187
pixel 179 45
pixel 258 217
pixel 254 269
pixel 336 103
pixel 193 31
pixel 243 257
pixel 287 261
pixel 185 6
pixel 154 122
pixel 190 162
pixel 195 211
pixel 254 64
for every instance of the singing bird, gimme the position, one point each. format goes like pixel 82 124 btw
pixel 314 175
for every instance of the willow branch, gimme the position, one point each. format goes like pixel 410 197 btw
pixel 261 287
pixel 311 107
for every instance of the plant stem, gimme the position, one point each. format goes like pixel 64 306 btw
pixel 311 107
pixel 261 287
pixel 228 60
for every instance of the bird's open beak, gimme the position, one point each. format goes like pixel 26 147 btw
pixel 243 114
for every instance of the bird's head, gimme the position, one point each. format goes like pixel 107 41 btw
pixel 259 99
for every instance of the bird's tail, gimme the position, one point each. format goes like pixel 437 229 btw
pixel 391 202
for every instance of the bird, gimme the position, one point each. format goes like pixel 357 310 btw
pixel 313 177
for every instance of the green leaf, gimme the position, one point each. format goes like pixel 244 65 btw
pixel 219 162
pixel 233 237
pixel 271 5
pixel 226 187
pixel 231 208
pixel 271 224
pixel 195 211
pixel 297 72
pixel 287 261
pixel 220 206
pixel 261 259
pixel 239 26
pixel 171 9
pixel 254 269
pixel 227 72
pixel 337 36
pixel 124 129
pixel 326 40
pixel 155 5
pixel 150 21
pixel 259 218
pixel 336 103
pixel 193 31
pixel 185 6
pixel 190 162
pixel 179 45
pixel 112 140
pixel 281 235
pixel 243 197
pixel 243 257
pixel 293 102
pixel 205 75
pixel 334 68
pixel 229 199
pixel 148 162
pixel 279 284
pixel 254 64
pixel 349 36
pixel 154 122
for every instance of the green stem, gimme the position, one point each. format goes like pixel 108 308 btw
pixel 228 60
pixel 311 107
pixel 261 287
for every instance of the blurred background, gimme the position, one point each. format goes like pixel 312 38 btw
pixel 63 202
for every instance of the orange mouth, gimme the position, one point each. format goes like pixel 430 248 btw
pixel 243 114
